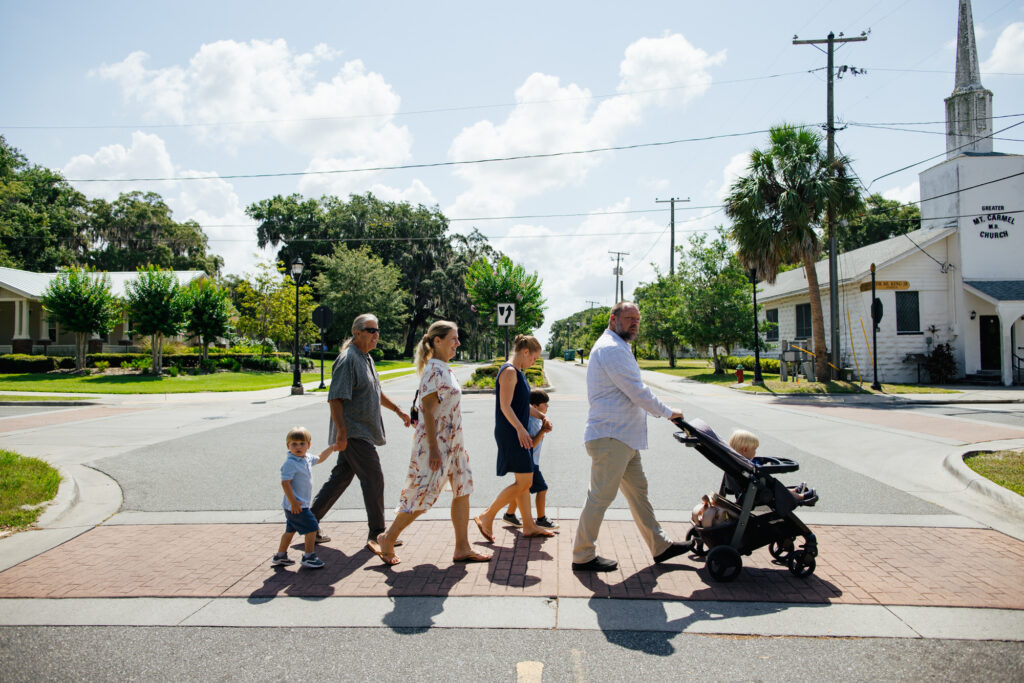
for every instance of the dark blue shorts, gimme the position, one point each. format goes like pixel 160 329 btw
pixel 538 481
pixel 302 523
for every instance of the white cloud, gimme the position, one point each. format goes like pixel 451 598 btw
pixel 736 167
pixel 1008 54
pixel 550 117
pixel 666 69
pixel 582 269
pixel 907 194
pixel 262 90
pixel 212 203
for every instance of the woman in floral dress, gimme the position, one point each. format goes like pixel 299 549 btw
pixel 439 458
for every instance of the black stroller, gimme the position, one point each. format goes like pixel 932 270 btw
pixel 751 484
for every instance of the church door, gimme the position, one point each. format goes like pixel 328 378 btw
pixel 989 338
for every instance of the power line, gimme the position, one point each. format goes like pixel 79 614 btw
pixel 918 163
pixel 518 157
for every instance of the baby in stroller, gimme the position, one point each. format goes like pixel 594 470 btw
pixel 714 509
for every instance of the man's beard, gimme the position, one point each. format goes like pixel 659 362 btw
pixel 623 331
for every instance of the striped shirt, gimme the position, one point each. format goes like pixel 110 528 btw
pixel 619 400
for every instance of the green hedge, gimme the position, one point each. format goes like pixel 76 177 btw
pixel 747 363
pixel 19 362
pixel 486 376
pixel 23 362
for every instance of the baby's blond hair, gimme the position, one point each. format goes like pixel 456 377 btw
pixel 298 434
pixel 742 439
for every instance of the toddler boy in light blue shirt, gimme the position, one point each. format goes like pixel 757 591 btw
pixel 297 482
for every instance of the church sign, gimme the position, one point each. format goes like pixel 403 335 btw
pixel 994 222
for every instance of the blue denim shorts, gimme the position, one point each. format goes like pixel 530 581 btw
pixel 302 523
pixel 538 484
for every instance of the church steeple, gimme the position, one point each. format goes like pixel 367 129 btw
pixel 969 108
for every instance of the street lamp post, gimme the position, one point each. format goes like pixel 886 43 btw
pixel 297 267
pixel 758 379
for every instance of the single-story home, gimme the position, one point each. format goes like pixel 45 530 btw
pixel 25 327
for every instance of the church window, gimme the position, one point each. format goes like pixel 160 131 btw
pixel 803 321
pixel 908 316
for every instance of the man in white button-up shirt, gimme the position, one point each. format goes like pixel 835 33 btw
pixel 616 433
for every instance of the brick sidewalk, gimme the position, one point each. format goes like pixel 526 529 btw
pixel 856 565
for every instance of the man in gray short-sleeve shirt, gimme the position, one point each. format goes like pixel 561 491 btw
pixel 356 426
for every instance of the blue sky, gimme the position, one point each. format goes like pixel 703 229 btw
pixel 118 90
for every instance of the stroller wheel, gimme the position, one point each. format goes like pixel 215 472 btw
pixel 698 543
pixel 724 563
pixel 801 563
pixel 780 550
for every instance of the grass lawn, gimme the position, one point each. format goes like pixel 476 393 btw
pixel 182 384
pixel 24 481
pixel 1005 468
pixel 702 370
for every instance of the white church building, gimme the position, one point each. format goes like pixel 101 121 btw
pixel 959 280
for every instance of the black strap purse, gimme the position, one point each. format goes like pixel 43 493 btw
pixel 414 414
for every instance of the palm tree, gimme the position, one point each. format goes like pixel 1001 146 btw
pixel 777 209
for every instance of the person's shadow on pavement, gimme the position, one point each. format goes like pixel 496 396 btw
pixel 412 613
pixel 315 584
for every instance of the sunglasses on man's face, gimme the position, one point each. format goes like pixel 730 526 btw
pixel 371 330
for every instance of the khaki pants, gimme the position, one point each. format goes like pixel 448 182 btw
pixel 615 466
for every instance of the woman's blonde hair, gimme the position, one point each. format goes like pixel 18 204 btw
pixel 741 438
pixel 523 341
pixel 358 324
pixel 425 348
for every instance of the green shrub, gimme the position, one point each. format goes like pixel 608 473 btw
pixel 229 364
pixel 142 364
pixel 102 365
pixel 941 364
pixel 23 362
pixel 173 371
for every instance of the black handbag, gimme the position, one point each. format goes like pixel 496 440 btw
pixel 414 415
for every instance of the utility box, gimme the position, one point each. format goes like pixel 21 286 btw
pixel 569 354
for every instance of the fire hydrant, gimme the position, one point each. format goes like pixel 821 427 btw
pixel 739 375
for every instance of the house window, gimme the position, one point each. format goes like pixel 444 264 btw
pixel 51 329
pixel 908 315
pixel 771 316
pixel 803 321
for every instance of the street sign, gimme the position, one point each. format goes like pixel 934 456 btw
pixel 506 315
pixel 885 284
pixel 323 316
pixel 876 311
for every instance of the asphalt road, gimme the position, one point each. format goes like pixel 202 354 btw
pixel 235 467
pixel 473 655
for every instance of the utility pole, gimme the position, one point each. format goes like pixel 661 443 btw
pixel 672 245
pixel 618 272
pixel 830 219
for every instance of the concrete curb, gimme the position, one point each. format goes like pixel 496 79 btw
pixel 66 498
pixel 954 463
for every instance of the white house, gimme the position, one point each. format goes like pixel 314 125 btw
pixel 25 328
pixel 958 280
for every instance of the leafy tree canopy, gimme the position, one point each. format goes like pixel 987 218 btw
pixel 81 302
pixel 506 282
pixel 661 307
pixel 414 239
pixel 878 220
pixel 208 311
pixel 717 310
pixel 356 281
pixel 45 224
